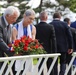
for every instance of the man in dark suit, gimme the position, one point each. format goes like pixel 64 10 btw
pixel 64 40
pixel 10 15
pixel 73 30
pixel 46 35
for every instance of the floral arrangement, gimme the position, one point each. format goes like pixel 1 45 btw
pixel 26 45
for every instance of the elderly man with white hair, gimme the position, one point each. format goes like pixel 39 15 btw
pixel 10 16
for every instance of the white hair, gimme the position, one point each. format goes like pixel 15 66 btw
pixel 11 10
pixel 29 12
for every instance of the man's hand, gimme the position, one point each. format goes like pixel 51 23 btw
pixel 70 51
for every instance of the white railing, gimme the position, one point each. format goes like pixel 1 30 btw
pixel 10 61
pixel 70 65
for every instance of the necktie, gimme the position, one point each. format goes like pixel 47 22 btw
pixel 7 27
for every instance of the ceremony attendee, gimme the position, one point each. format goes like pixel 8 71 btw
pixel 9 16
pixel 64 40
pixel 24 27
pixel 73 30
pixel 69 56
pixel 45 33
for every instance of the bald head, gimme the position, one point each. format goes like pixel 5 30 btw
pixel 43 16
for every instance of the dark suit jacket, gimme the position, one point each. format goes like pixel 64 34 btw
pixel 73 30
pixel 4 38
pixel 46 35
pixel 63 36
pixel 73 24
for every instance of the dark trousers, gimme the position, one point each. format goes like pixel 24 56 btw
pixel 68 58
pixel 13 69
pixel 55 68
pixel 49 61
pixel 64 59
pixel 62 63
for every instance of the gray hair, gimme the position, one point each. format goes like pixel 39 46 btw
pixel 43 14
pixel 11 10
pixel 29 12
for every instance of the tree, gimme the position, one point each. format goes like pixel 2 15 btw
pixel 72 5
pixel 45 4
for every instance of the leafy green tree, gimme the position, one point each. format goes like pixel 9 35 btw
pixel 72 5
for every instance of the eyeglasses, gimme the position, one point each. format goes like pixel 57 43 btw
pixel 31 18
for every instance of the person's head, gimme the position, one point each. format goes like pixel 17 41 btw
pixel 67 20
pixel 28 17
pixel 11 14
pixel 43 16
pixel 57 15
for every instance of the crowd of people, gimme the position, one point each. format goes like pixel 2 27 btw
pixel 56 37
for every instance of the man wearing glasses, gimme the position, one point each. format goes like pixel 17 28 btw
pixel 24 27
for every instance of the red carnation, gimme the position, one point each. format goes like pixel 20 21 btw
pixel 16 43
pixel 25 48
pixel 36 46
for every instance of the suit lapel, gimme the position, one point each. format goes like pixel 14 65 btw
pixel 3 22
pixel 7 33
